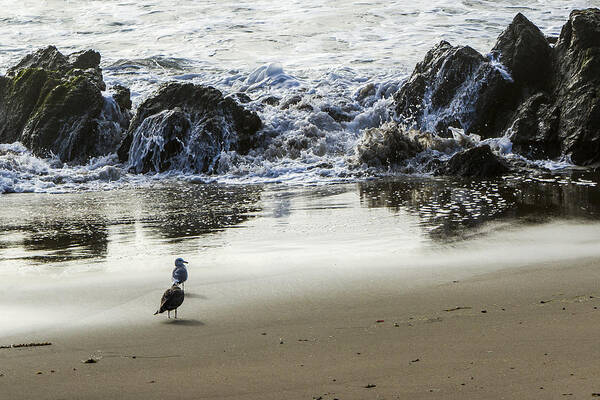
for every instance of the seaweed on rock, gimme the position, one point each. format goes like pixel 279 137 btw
pixel 53 104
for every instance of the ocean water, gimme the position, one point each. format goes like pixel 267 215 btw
pixel 394 217
pixel 325 52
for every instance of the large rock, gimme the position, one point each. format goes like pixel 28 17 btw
pixel 534 129
pixel 564 119
pixel 523 49
pixel 478 162
pixel 455 86
pixel 186 127
pixel 387 146
pixel 546 99
pixel 53 104
pixel 577 91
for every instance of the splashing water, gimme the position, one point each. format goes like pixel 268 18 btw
pixel 317 82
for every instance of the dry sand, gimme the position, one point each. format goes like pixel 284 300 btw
pixel 529 332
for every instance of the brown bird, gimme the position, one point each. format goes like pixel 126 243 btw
pixel 171 299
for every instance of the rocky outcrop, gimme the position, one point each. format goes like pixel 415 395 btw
pixel 564 117
pixel 525 52
pixel 386 147
pixel 455 87
pixel 53 104
pixel 186 127
pixel 546 98
pixel 478 162
pixel 577 86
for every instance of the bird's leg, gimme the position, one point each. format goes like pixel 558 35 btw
pixel 182 285
pixel 169 313
pixel 175 313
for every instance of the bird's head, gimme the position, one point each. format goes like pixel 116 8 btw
pixel 179 262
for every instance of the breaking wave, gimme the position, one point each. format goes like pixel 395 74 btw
pixel 312 130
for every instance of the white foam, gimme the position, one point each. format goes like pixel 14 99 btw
pixel 327 55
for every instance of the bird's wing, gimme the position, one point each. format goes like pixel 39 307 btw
pixel 179 275
pixel 171 299
pixel 177 298
pixel 164 301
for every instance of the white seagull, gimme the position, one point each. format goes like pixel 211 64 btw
pixel 180 274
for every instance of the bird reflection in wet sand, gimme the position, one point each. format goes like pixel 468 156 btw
pixel 171 300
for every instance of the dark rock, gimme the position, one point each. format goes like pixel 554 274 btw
pixel 53 107
pixel 337 114
pixel 437 77
pixel 186 127
pixel 535 127
pixel 565 118
pixel 85 59
pixel 546 98
pixel 523 49
pixel 387 146
pixel 478 162
pixel 241 98
pixel 458 87
pixel 84 63
pixel 122 96
pixel 578 86
pixel 271 100
pixel 291 101
pixel 49 59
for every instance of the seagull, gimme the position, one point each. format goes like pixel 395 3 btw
pixel 180 274
pixel 171 299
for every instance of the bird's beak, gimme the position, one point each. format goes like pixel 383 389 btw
pixel 186 262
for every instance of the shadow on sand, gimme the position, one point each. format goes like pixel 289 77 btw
pixel 183 322
pixel 195 296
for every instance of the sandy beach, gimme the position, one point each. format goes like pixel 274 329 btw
pixel 375 200
pixel 520 333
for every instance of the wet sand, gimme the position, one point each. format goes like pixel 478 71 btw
pixel 525 332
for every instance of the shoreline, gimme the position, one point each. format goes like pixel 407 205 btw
pixel 536 332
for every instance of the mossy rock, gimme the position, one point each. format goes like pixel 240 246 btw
pixel 53 104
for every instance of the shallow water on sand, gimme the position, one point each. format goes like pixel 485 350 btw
pixel 81 259
pixel 53 232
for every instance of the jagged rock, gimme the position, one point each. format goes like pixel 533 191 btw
pixel 578 86
pixel 48 58
pixel 53 106
pixel 241 97
pixel 534 128
pixel 564 119
pixel 122 96
pixel 546 98
pixel 387 146
pixel 523 49
pixel 271 100
pixel 454 86
pixel 86 63
pixel 477 162
pixel 290 101
pixel 84 59
pixel 337 113
pixel 186 127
